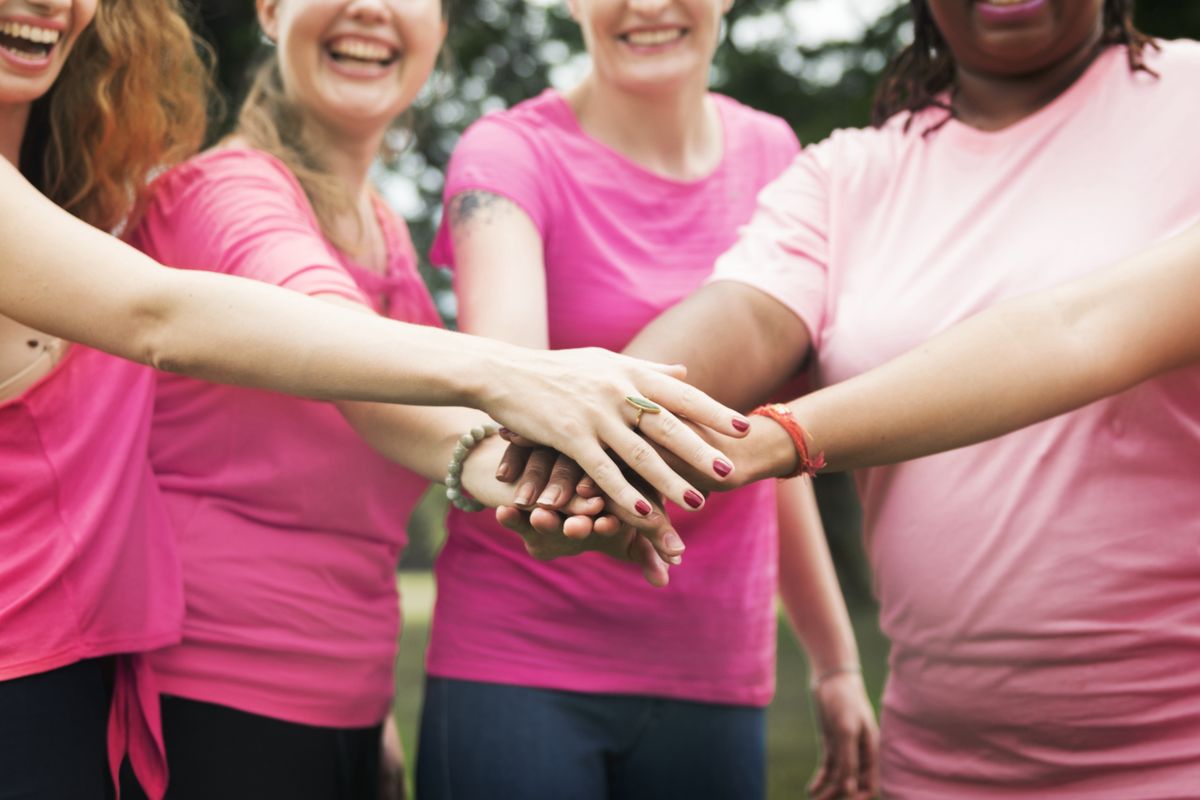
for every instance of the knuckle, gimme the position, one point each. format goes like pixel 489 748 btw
pixel 640 454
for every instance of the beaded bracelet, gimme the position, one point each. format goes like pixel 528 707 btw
pixel 454 488
pixel 805 465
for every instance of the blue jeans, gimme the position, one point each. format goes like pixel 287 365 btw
pixel 482 740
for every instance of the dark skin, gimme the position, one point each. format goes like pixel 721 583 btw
pixel 1007 71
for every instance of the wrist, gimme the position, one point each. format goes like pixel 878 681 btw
pixel 766 452
pixel 802 459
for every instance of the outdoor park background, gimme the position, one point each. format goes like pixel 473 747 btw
pixel 812 62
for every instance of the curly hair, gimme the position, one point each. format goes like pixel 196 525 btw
pixel 924 71
pixel 131 100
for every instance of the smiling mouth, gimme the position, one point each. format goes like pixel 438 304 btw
pixel 653 38
pixel 28 42
pixel 352 50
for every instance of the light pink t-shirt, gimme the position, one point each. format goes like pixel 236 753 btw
pixel 289 525
pixel 1041 591
pixel 621 245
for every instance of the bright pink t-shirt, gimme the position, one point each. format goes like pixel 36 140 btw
pixel 621 245
pixel 289 525
pixel 87 565
pixel 1041 591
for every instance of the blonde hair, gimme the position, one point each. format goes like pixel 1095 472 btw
pixel 271 122
pixel 131 99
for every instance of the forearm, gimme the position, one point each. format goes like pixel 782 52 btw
pixel 68 279
pixel 808 585
pixel 1018 363
pixel 738 344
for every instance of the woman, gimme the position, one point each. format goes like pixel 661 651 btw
pixel 610 202
pixel 1039 590
pixel 90 570
pixel 289 524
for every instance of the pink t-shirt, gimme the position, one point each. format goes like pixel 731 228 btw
pixel 621 245
pixel 289 525
pixel 88 567
pixel 1041 591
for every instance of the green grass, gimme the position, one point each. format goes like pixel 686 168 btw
pixel 792 744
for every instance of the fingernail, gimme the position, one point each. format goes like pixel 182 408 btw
pixel 550 496
pixel 675 561
pixel 524 495
pixel 740 425
pixel 502 472
pixel 693 498
pixel 722 467
pixel 504 432
pixel 672 541
pixel 642 507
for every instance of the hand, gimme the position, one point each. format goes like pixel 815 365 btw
pixel 478 478
pixel 849 740
pixel 392 772
pixel 548 536
pixel 574 402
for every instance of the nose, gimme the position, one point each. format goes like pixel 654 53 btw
pixel 648 8
pixel 368 11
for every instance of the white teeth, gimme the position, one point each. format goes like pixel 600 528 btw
pixel 30 33
pixel 361 50
pixel 651 38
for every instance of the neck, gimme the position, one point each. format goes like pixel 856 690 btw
pixel 13 121
pixel 677 134
pixel 347 156
pixel 990 102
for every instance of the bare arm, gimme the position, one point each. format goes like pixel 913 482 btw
pixel 1018 363
pixel 738 343
pixel 813 601
pixel 501 283
pixel 68 279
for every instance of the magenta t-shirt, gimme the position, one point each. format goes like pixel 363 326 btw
pixel 1042 590
pixel 289 525
pixel 87 564
pixel 621 245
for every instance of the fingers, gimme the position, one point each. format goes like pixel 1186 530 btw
pixel 654 569
pixel 512 463
pixel 643 459
pixel 535 477
pixel 688 401
pixel 868 763
pixel 612 482
pixel 655 527
pixel 587 487
pixel 564 475
pixel 669 433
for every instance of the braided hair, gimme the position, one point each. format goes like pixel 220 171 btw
pixel 923 72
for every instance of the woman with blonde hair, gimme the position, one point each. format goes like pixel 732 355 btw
pixel 93 98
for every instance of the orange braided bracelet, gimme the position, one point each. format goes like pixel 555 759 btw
pixel 805 465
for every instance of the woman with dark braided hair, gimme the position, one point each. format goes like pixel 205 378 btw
pixel 1039 589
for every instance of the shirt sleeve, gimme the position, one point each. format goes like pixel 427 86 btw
pixel 784 249
pixel 244 214
pixel 495 155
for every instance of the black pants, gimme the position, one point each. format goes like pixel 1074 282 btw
pixel 216 752
pixel 52 734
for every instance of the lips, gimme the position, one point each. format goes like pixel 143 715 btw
pixel 28 42
pixel 655 37
pixel 361 50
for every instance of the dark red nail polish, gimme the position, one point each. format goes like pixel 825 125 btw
pixel 504 432
pixel 693 498
pixel 722 467
pixel 642 507
pixel 741 425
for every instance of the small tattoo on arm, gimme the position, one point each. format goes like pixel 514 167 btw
pixel 472 207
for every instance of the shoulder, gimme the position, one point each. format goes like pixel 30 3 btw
pixel 753 123
pixel 527 123
pixel 205 178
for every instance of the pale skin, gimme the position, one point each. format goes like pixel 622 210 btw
pixel 665 122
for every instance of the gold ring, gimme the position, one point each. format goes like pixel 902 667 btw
pixel 643 406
